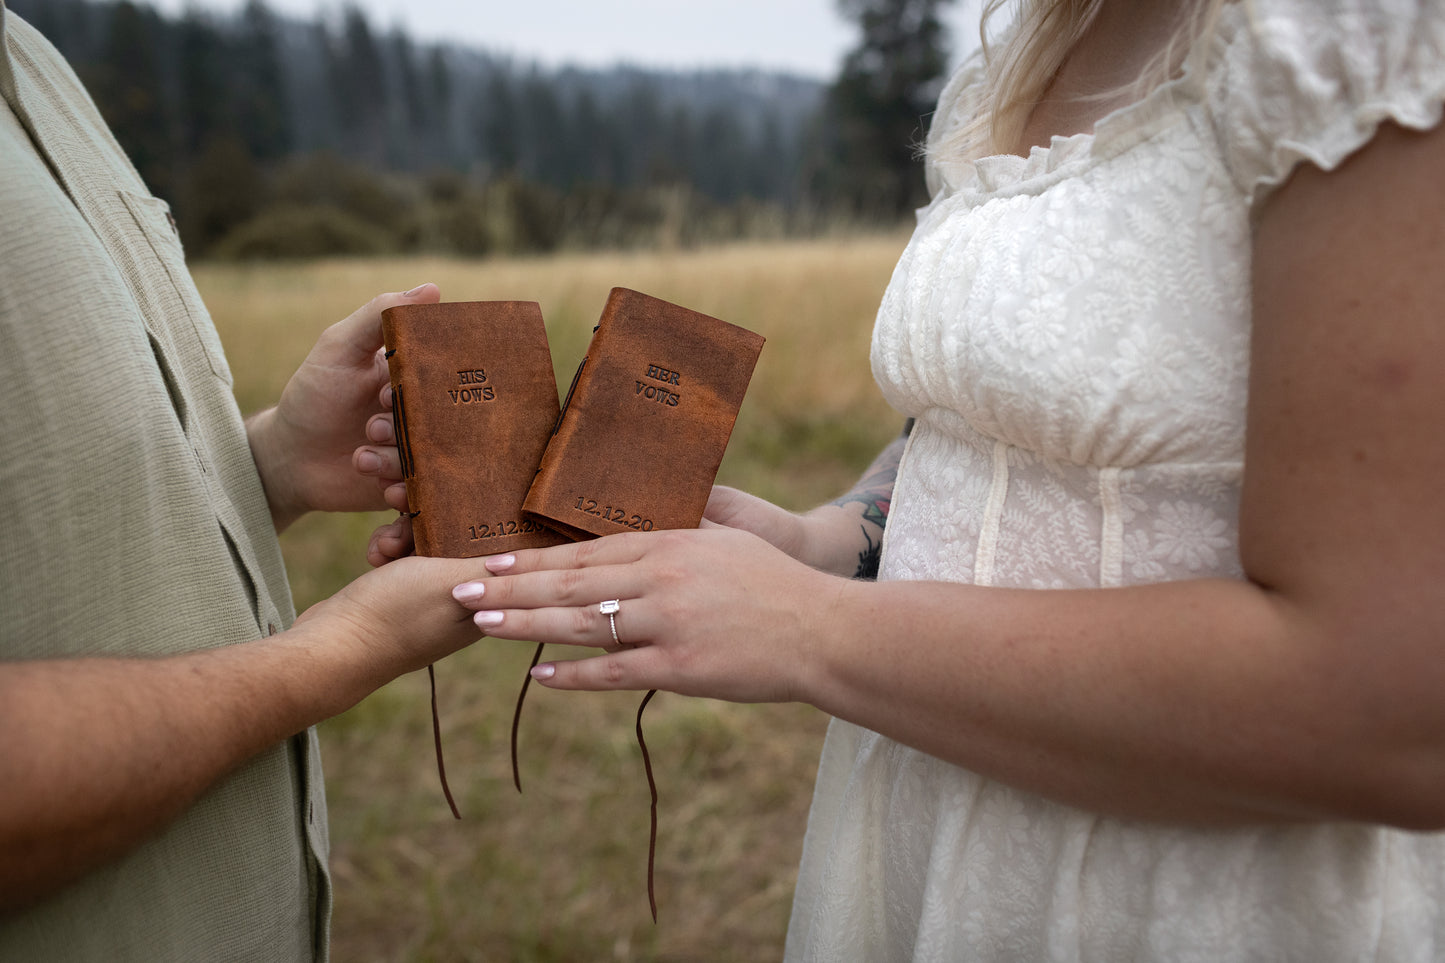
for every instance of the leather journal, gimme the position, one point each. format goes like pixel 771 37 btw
pixel 474 404
pixel 639 441
pixel 643 430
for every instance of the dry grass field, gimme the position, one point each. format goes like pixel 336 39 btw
pixel 558 873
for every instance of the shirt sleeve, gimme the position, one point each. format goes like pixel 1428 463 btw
pixel 1311 80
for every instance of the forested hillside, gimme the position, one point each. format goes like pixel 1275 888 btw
pixel 273 136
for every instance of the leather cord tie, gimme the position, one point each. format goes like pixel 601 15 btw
pixel 646 765
pixel 436 731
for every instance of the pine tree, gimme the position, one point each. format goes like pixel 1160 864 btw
pixel 129 90
pixel 202 108
pixel 498 138
pixel 258 90
pixel 879 105
pixel 437 91
pixel 358 87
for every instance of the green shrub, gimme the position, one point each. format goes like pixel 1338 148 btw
pixel 325 178
pixel 303 232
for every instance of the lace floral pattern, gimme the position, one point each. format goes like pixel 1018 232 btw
pixel 1071 332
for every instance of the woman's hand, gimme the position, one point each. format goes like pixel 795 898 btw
pixel 714 612
pixel 830 538
pixel 780 528
pixel 844 537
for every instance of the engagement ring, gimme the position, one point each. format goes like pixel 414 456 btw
pixel 610 608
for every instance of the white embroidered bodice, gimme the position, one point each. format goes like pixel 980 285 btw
pixel 1071 332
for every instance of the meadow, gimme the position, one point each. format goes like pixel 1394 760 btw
pixel 558 873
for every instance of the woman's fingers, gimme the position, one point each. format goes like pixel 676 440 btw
pixel 578 576
pixel 578 591
pixel 585 625
pixel 557 594
pixel 627 669
pixel 713 612
pixel 624 548
pixel 562 588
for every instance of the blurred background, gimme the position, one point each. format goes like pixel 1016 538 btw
pixel 302 128
pixel 755 161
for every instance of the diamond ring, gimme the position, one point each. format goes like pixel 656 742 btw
pixel 610 608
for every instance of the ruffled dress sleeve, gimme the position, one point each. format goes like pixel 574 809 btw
pixel 1294 81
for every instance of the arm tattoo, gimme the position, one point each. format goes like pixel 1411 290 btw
pixel 875 493
pixel 869 558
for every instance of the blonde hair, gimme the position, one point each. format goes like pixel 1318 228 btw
pixel 1040 37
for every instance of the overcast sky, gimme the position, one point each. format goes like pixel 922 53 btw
pixel 804 36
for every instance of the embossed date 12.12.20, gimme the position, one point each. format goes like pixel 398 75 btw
pixel 614 514
pixel 511 527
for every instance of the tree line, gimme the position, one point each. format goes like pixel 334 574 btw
pixel 277 137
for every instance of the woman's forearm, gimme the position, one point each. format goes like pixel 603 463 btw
pixel 1208 700
pixel 1199 701
pixel 845 536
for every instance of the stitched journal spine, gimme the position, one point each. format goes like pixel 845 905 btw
pixel 474 404
pixel 647 419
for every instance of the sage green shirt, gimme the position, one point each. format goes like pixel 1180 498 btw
pixel 135 524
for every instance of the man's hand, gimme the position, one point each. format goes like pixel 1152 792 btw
pixel 101 753
pixel 328 444
pixel 391 541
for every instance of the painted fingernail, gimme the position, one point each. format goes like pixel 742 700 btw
pixel 500 563
pixel 368 461
pixel 469 591
pixel 544 671
pixel 487 618
pixel 414 291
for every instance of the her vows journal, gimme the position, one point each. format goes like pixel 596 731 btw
pixel 645 423
pixel 474 404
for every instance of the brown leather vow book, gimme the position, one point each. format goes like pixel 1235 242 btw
pixel 475 402
pixel 646 421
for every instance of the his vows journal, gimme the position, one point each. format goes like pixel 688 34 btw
pixel 474 404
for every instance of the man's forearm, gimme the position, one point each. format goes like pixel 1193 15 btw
pixel 101 753
pixel 268 456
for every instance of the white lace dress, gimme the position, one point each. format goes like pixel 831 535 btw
pixel 1070 331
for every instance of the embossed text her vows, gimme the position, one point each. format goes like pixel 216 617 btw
pixel 660 393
